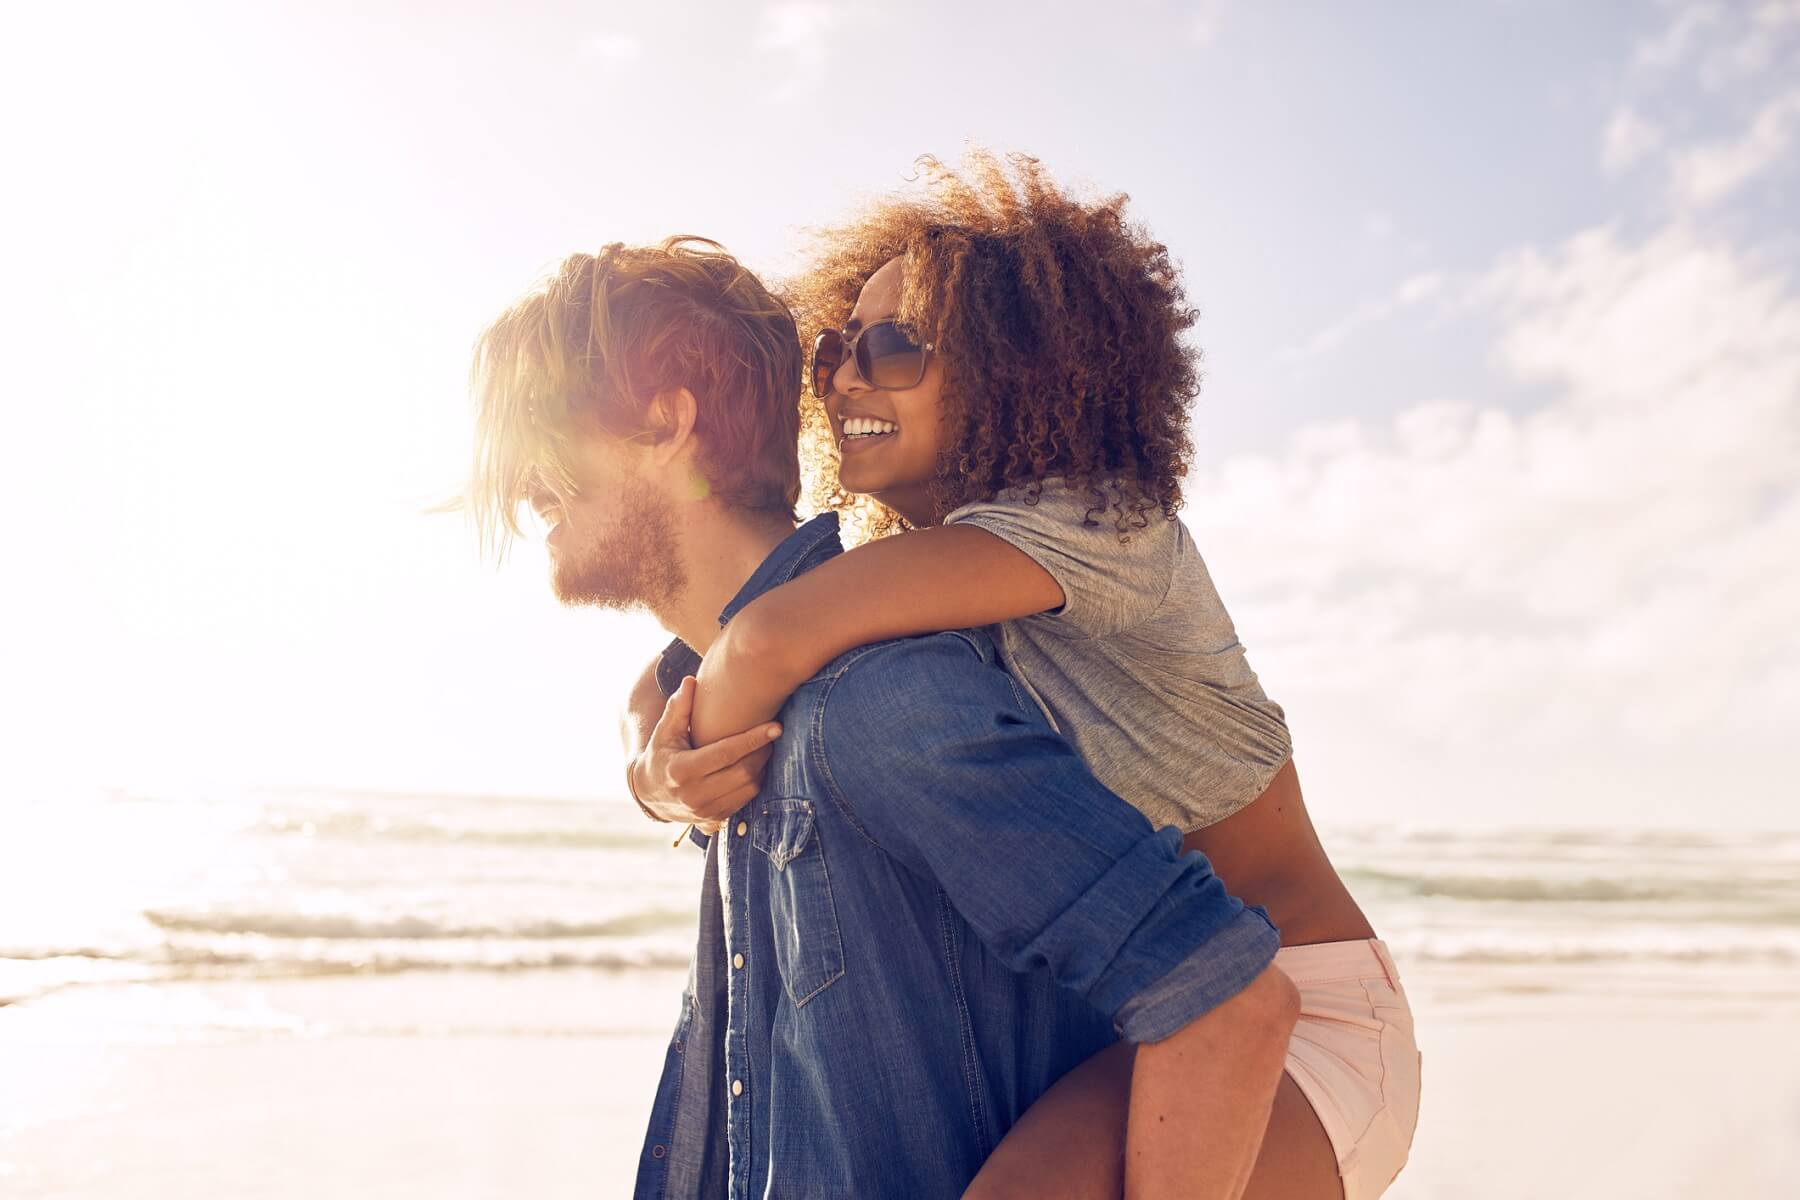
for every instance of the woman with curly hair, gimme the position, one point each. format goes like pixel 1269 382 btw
pixel 1000 373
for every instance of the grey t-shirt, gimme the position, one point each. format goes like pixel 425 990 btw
pixel 1140 667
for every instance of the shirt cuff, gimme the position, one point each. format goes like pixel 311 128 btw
pixel 1219 969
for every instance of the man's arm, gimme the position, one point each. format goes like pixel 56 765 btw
pixel 643 706
pixel 937 757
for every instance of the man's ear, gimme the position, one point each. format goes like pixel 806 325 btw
pixel 672 415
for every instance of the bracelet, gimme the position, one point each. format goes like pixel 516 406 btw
pixel 631 786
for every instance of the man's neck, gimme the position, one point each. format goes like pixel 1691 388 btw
pixel 718 550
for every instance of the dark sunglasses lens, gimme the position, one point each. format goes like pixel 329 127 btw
pixel 888 358
pixel 827 357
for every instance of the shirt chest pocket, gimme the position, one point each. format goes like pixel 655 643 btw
pixel 808 947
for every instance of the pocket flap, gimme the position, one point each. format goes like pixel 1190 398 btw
pixel 783 829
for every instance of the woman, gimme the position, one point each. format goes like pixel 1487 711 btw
pixel 1000 369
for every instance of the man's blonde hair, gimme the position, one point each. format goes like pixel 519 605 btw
pixel 593 348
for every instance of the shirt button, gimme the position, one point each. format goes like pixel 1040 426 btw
pixel 659 1151
pixel 737 960
pixel 737 1087
pixel 743 828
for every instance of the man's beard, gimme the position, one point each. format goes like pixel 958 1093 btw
pixel 630 564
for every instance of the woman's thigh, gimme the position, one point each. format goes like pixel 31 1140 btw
pixel 1071 1143
pixel 1297 1161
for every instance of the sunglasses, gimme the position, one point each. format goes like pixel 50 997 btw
pixel 884 355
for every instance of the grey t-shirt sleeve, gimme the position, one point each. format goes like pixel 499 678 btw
pixel 1109 585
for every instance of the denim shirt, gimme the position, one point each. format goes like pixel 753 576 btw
pixel 929 914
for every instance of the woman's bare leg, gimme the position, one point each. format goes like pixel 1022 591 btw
pixel 1071 1143
pixel 1297 1161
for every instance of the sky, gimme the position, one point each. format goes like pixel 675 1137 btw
pixel 1499 466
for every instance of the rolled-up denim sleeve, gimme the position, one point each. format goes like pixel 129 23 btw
pixel 931 751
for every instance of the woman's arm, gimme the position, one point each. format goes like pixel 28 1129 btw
pixel 925 581
pixel 1200 1099
pixel 1187 1121
pixel 667 776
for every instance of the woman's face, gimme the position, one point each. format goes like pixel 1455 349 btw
pixel 896 465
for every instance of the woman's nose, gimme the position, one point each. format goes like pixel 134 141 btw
pixel 847 380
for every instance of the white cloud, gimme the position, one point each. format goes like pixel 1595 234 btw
pixel 1706 174
pixel 798 35
pixel 1409 292
pixel 797 29
pixel 1204 27
pixel 1726 50
pixel 1774 15
pixel 1727 43
pixel 1627 139
pixel 1678 38
pixel 1595 597
pixel 1417 287
pixel 613 47
pixel 1758 43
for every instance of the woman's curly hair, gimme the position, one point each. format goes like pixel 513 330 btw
pixel 1061 329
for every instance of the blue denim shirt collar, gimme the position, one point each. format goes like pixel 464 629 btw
pixel 801 551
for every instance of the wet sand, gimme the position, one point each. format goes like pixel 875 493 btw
pixel 538 1084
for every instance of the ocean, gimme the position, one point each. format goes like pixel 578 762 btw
pixel 152 890
pixel 155 889
pixel 284 995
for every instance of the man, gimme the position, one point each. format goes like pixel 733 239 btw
pixel 930 910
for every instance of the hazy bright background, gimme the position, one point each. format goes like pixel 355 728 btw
pixel 1499 438
pixel 1499 474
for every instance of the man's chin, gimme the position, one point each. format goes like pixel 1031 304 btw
pixel 587 592
pixel 630 565
pixel 648 587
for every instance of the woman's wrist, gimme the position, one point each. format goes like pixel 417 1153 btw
pixel 743 680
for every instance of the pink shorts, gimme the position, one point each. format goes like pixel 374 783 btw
pixel 1354 1057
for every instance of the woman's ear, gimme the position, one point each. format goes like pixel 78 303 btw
pixel 672 421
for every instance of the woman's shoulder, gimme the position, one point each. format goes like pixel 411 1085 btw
pixel 1114 563
pixel 1100 512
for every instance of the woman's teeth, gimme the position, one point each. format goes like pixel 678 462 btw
pixel 855 427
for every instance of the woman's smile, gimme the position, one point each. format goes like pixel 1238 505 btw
pixel 860 433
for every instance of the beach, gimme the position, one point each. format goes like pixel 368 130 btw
pixel 1535 1095
pixel 425 996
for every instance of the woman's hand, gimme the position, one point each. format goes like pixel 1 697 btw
pixel 677 782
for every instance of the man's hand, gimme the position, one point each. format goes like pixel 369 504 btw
pixel 701 786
